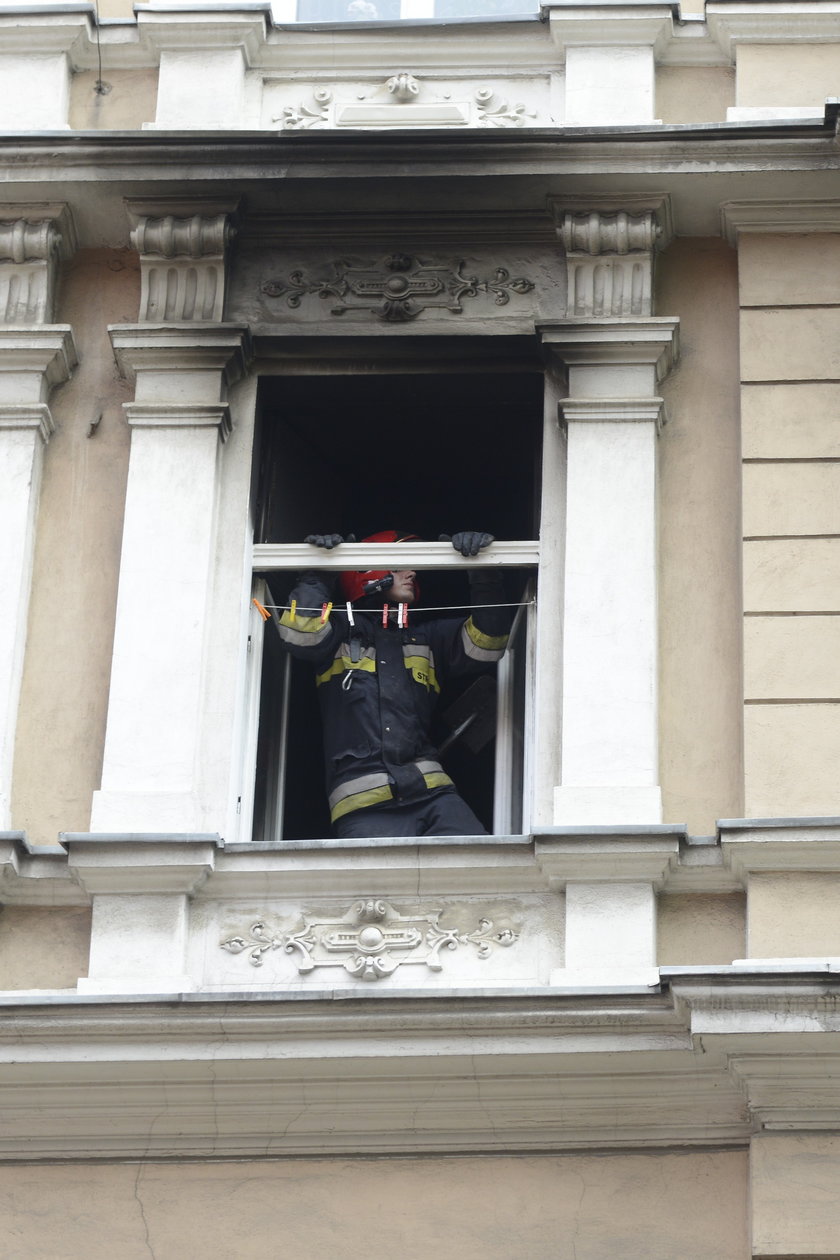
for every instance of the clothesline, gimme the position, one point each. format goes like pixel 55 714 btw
pixel 338 607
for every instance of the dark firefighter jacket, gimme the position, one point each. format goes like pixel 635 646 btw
pixel 378 687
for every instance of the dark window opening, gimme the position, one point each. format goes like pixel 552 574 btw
pixel 425 453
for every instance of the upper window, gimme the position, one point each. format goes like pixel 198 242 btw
pixel 359 453
pixel 394 10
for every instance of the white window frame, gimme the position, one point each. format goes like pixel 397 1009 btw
pixel 294 557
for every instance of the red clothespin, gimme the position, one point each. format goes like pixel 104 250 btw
pixel 384 614
pixel 262 610
pixel 293 610
pixel 326 609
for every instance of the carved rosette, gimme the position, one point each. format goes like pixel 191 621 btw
pixel 182 266
pixel 28 263
pixel 609 262
pixel 371 941
pixel 398 289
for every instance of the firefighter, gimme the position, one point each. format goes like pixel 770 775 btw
pixel 378 683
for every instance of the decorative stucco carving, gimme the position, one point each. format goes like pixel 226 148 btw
pixel 610 256
pixel 370 941
pixel 30 249
pixel 403 100
pixel 397 289
pixel 307 114
pixel 496 111
pixel 182 266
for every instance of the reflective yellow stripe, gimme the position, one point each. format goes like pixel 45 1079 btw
pixel 375 796
pixel 361 800
pixel 303 631
pixel 422 671
pixel 489 642
pixel 340 666
pixel 437 780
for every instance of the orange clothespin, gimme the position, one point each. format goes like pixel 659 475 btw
pixel 384 614
pixel 262 610
pixel 326 609
pixel 293 610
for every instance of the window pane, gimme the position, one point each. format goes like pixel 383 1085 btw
pixel 347 10
pixel 483 8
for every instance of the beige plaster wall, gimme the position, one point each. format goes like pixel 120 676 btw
pixel 700 572
pixel 694 94
pixel 795 1204
pixel 659 1206
pixel 793 915
pixel 693 929
pixel 790 326
pixel 64 695
pixel 787 74
pixel 43 947
pixel 130 101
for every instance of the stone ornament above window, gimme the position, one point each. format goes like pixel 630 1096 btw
pixel 370 941
pixel 398 289
pixel 403 101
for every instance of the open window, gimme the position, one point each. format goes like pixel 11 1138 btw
pixel 425 453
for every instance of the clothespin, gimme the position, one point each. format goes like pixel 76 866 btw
pixel 350 613
pixel 326 609
pixel 293 610
pixel 384 614
pixel 263 611
pixel 402 616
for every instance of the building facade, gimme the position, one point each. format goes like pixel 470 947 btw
pixel 571 276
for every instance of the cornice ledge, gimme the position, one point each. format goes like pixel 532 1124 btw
pixel 652 339
pixel 768 22
pixel 449 866
pixel 204 29
pixel 27 416
pixel 180 416
pixel 613 411
pixel 780 845
pixel 136 863
pixel 46 348
pixel 750 217
pixel 622 23
pixel 182 348
pixel 608 854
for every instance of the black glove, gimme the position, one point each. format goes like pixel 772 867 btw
pixel 469 542
pixel 328 540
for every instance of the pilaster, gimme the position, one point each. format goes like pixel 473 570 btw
pixel 178 422
pixel 141 887
pixel 35 356
pixel 610 54
pixel 202 65
pixel 615 353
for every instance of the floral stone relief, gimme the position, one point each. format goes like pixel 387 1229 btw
pixel 370 941
pixel 397 289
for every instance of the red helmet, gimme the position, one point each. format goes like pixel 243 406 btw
pixel 353 582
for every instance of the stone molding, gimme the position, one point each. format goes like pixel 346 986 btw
pixel 610 246
pixel 130 865
pixel 47 352
pixel 27 416
pixel 34 239
pixel 613 411
pixel 766 22
pixel 652 342
pixel 183 250
pixel 180 348
pixel 739 218
pixel 627 24
pixel 180 416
